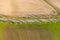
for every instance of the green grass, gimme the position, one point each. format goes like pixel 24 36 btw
pixel 53 27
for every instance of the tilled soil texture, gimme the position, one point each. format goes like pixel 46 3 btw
pixel 55 3
pixel 11 33
pixel 23 8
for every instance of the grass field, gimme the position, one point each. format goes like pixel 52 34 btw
pixel 53 27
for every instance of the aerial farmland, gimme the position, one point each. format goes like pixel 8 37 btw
pixel 29 19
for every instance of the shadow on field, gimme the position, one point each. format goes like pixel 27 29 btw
pixel 11 33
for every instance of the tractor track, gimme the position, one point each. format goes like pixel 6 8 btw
pixel 45 34
pixel 11 33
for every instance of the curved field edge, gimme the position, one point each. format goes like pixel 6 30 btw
pixel 57 10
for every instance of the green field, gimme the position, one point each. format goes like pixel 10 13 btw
pixel 53 27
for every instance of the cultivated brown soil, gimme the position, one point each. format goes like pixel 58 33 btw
pixel 11 33
pixel 25 7
pixel 55 3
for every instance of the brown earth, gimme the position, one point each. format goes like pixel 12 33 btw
pixel 26 34
pixel 55 3
pixel 25 7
